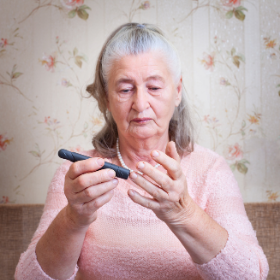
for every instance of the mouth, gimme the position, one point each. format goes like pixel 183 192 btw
pixel 141 120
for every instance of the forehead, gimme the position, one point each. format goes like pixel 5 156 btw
pixel 150 65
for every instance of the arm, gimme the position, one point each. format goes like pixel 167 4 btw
pixel 225 206
pixel 60 238
pixel 210 236
pixel 58 250
pixel 28 266
pixel 201 236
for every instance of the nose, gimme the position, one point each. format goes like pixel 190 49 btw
pixel 140 100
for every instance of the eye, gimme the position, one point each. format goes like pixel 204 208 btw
pixel 154 90
pixel 125 93
pixel 126 90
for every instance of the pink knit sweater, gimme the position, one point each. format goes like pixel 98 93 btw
pixel 128 241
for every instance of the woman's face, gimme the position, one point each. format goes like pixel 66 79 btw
pixel 142 95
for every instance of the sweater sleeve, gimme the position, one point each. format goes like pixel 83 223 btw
pixel 242 257
pixel 28 266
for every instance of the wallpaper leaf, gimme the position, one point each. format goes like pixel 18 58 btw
pixel 75 7
pixel 230 66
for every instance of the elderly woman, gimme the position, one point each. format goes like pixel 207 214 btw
pixel 180 215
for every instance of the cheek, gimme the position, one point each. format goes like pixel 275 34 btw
pixel 113 103
pixel 163 112
pixel 119 110
pixel 166 105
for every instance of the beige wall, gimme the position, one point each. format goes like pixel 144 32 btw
pixel 231 69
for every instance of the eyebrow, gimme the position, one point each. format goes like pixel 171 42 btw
pixel 124 80
pixel 131 81
pixel 155 77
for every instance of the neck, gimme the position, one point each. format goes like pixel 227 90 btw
pixel 135 150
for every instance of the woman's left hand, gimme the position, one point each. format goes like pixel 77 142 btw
pixel 170 199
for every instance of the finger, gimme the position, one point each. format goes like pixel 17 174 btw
pixel 91 179
pixel 143 201
pixel 94 192
pixel 171 151
pixel 170 164
pixel 156 192
pixel 95 204
pixel 84 166
pixel 160 179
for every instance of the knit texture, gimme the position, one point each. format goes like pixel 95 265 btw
pixel 128 241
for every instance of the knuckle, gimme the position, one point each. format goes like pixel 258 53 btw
pixel 174 197
pixel 92 179
pixel 80 181
pixel 97 203
pixel 87 192
pixel 177 169
pixel 104 176
pixel 156 193
pixel 176 173
pixel 149 204
pixel 110 194
pixel 165 183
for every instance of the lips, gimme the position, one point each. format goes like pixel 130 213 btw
pixel 141 120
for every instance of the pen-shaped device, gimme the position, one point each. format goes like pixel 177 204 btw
pixel 120 171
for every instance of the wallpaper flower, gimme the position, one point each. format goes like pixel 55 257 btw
pixel 230 53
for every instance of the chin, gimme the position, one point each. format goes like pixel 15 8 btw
pixel 143 133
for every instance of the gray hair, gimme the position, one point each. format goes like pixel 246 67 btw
pixel 133 39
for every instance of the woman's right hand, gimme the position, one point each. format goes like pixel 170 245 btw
pixel 87 190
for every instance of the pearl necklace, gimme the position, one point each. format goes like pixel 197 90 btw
pixel 121 159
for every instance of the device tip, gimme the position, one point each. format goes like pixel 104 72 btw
pixel 65 154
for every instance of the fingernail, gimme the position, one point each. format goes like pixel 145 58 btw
pixel 115 181
pixel 100 161
pixel 140 165
pixel 112 173
pixel 132 193
pixel 133 175
pixel 155 154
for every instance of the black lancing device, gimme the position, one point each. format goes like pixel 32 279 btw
pixel 121 172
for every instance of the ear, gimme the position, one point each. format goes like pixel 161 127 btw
pixel 178 96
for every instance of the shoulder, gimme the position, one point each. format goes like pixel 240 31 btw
pixel 204 166
pixel 204 153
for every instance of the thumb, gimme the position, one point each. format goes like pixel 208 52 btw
pixel 171 151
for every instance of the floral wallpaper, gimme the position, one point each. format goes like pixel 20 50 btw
pixel 230 52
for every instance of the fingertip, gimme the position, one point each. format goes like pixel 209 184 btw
pixel 112 173
pixel 131 192
pixel 133 175
pixel 100 161
pixel 168 147
pixel 155 153
pixel 172 144
pixel 171 150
